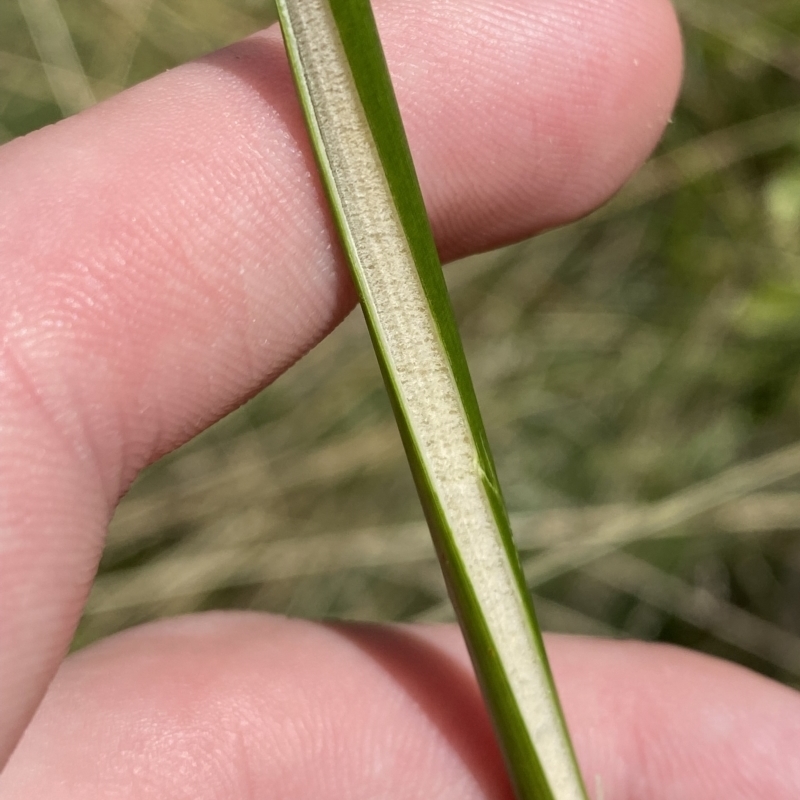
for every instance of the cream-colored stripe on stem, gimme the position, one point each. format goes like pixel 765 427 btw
pixel 395 299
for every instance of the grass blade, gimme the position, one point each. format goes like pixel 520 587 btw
pixel 53 42
pixel 366 167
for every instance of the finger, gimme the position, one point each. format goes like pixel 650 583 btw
pixel 167 253
pixel 251 706
pixel 653 721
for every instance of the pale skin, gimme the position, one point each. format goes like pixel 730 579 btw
pixel 167 254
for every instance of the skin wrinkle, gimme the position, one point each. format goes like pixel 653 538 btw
pixel 74 347
pixel 64 422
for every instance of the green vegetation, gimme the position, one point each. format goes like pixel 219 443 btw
pixel 620 363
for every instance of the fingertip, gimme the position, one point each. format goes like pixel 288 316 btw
pixel 684 724
pixel 581 93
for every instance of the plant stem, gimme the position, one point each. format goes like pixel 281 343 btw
pixel 366 167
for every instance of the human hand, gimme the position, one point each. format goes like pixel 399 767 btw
pixel 164 256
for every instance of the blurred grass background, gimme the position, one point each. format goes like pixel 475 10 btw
pixel 638 372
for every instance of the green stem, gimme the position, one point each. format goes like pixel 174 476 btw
pixel 366 167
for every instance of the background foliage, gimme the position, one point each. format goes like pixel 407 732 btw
pixel 638 373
